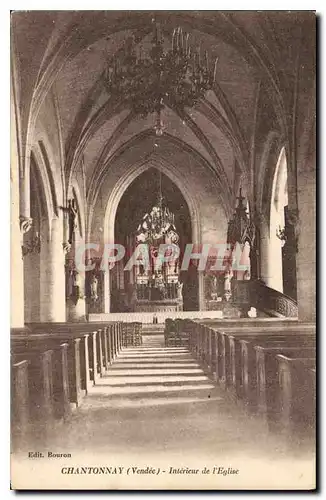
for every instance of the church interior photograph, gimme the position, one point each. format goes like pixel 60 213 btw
pixel 163 249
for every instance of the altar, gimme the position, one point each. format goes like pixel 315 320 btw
pixel 157 272
pixel 158 295
pixel 158 306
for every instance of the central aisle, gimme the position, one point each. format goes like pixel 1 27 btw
pixel 156 407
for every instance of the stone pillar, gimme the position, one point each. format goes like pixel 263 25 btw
pixel 52 276
pixel 271 257
pixel 106 292
pixel 32 287
pixel 25 192
pixel 16 231
pixel 265 271
pixel 76 309
pixel 255 256
pixel 16 262
pixel 201 291
pixel 306 233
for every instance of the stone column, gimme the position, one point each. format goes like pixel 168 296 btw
pixel 305 228
pixel 25 192
pixel 52 276
pixel 201 291
pixel 271 257
pixel 255 255
pixel 16 262
pixel 106 292
pixel 265 271
pixel 32 287
pixel 16 231
pixel 76 310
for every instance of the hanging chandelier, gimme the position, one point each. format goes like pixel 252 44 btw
pixel 177 77
pixel 158 224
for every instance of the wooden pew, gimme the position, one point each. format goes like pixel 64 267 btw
pixel 96 354
pixel 78 357
pixel 267 377
pixel 20 413
pixel 114 338
pixel 222 352
pixel 239 371
pixel 60 368
pixel 91 350
pixel 227 348
pixel 54 369
pixel 247 379
pixel 109 333
pixel 99 353
pixel 61 388
pixel 297 394
pixel 120 335
pixel 40 389
pixel 252 323
pixel 232 354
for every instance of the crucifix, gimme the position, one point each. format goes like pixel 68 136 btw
pixel 72 212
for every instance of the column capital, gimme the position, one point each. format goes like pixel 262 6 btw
pixel 66 247
pixel 25 223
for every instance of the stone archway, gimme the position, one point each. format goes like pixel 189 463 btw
pixel 119 190
pixel 137 202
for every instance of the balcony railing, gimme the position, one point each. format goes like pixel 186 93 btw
pixel 271 301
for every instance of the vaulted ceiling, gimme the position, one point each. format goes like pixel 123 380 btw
pixel 64 54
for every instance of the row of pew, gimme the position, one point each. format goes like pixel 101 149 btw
pixel 53 367
pixel 268 366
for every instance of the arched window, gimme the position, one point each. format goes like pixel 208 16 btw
pixel 278 207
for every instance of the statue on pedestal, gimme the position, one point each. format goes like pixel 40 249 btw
pixel 93 288
pixel 179 290
pixel 227 284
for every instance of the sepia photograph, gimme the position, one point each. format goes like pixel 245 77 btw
pixel 163 250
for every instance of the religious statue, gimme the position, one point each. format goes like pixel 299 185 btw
pixel 75 288
pixel 93 287
pixel 72 214
pixel 227 284
pixel 179 290
pixel 214 288
pixel 246 275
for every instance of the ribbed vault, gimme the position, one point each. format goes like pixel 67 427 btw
pixel 66 57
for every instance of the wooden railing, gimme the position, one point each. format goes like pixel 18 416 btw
pixel 272 302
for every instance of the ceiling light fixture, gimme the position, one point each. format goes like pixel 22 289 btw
pixel 177 77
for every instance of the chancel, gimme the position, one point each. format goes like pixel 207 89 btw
pixel 157 280
pixel 163 178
